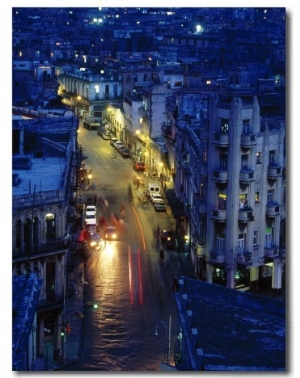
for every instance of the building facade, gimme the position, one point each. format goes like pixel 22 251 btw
pixel 230 165
pixel 44 172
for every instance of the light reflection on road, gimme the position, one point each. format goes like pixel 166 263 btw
pixel 135 276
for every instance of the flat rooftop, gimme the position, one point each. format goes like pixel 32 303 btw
pixel 46 173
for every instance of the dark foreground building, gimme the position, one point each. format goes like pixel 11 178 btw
pixel 228 330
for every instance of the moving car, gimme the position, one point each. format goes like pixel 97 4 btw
pixel 111 233
pixel 90 219
pixel 95 241
pixel 139 166
pixel 166 235
pixel 90 210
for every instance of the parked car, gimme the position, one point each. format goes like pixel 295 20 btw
pixel 111 233
pixel 117 144
pixel 138 166
pixel 124 152
pixel 159 206
pixel 113 141
pixel 154 197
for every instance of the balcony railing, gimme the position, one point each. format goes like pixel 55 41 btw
pixel 246 176
pixel 143 112
pixel 271 251
pixel 246 215
pixel 57 245
pixel 243 258
pixel 218 215
pixel 220 176
pixel 248 140
pixel 274 172
pixel 221 139
pixel 272 209
pixel 217 257
pixel 40 198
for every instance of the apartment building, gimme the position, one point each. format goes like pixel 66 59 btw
pixel 229 174
pixel 43 171
pixel 89 92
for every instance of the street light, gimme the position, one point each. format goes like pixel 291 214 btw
pixel 167 337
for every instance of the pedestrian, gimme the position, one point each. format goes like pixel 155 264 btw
pixel 137 183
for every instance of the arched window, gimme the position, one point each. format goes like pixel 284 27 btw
pixel 50 226
pixel 35 230
pixel 18 235
pixel 27 234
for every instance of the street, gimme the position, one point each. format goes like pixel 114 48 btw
pixel 126 279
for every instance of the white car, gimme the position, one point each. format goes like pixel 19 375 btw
pixel 154 197
pixel 90 219
pixel 118 143
pixel 90 210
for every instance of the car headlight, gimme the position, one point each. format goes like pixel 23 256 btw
pixel 93 243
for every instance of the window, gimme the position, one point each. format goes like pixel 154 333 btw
pixel 270 196
pixel 220 243
pixel 243 200
pixel 202 191
pixel 223 162
pixel 128 80
pixel 224 126
pixel 50 226
pixel 241 243
pixel 222 201
pixel 202 229
pixel 258 158
pixel 246 126
pixel 268 237
pixel 255 238
pixel 271 157
pixel 257 197
pixel 115 90
pixel 244 161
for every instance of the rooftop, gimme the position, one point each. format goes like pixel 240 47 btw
pixel 45 173
pixel 237 331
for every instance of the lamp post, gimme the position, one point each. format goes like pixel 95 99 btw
pixel 167 337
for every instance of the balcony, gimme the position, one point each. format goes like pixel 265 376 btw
pixel 221 139
pixel 218 215
pixel 272 251
pixel 274 172
pixel 217 257
pixel 248 140
pixel 143 112
pixel 272 210
pixel 220 176
pixel 243 258
pixel 246 176
pixel 246 215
